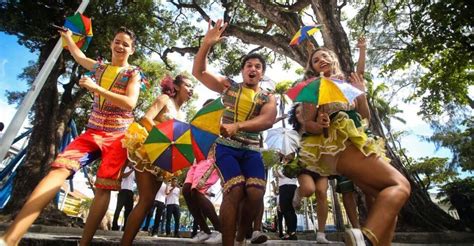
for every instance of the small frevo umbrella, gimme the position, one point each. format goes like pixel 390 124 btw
pixel 81 28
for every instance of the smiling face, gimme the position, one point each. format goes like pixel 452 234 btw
pixel 252 72
pixel 122 46
pixel 184 90
pixel 322 61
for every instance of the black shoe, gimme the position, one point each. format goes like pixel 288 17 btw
pixel 291 236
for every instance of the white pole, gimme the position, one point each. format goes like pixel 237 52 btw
pixel 32 94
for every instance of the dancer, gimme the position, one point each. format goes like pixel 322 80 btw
pixel 249 110
pixel 351 153
pixel 200 177
pixel 115 95
pixel 175 92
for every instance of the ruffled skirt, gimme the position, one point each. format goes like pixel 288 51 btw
pixel 320 154
pixel 133 141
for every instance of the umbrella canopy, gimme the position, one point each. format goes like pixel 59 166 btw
pixel 304 33
pixel 205 128
pixel 283 140
pixel 81 27
pixel 323 91
pixel 169 145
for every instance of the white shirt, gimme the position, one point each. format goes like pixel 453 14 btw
pixel 283 180
pixel 173 196
pixel 161 194
pixel 128 182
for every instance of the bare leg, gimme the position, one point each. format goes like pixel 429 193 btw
pixel 194 208
pixel 39 198
pixel 228 214
pixel 307 186
pixel 393 188
pixel 147 187
pixel 257 222
pixel 252 205
pixel 207 209
pixel 322 202
pixel 96 214
pixel 351 208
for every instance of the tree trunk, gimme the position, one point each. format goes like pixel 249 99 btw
pixel 49 125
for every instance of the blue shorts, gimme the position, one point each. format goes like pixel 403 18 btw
pixel 240 167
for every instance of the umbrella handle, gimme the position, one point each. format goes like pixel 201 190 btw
pixel 64 29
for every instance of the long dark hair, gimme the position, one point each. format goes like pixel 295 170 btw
pixel 292 119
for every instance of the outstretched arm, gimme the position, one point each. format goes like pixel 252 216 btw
pixel 80 58
pixel 362 45
pixel 212 81
pixel 262 122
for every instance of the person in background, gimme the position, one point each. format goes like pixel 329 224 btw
pixel 172 207
pixel 158 209
pixel 124 197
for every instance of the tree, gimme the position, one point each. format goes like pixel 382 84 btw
pixel 434 171
pixel 30 22
pixel 270 25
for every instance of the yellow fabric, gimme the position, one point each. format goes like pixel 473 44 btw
pixel 209 122
pixel 342 132
pixel 184 139
pixel 154 150
pixel 107 80
pixel 329 93
pixel 244 105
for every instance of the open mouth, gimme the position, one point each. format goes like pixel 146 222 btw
pixel 252 75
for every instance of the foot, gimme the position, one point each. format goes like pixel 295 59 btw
pixel 258 237
pixel 296 199
pixel 200 237
pixel 215 238
pixel 354 237
pixel 321 238
pixel 291 236
pixel 240 243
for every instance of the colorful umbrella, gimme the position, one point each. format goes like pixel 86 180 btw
pixel 205 128
pixel 169 145
pixel 304 33
pixel 323 91
pixel 81 27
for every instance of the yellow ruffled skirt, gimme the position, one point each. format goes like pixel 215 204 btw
pixel 320 154
pixel 133 141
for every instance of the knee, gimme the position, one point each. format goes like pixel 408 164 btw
pixel 404 189
pixel 306 191
pixel 321 195
pixel 187 190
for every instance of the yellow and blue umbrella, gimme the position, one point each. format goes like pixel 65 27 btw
pixel 304 33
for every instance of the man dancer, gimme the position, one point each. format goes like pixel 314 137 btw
pixel 249 110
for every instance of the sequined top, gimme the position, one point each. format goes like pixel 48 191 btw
pixel 242 104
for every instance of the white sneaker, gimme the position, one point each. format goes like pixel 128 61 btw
pixel 354 237
pixel 2 242
pixel 215 238
pixel 258 237
pixel 241 243
pixel 296 202
pixel 200 237
pixel 321 238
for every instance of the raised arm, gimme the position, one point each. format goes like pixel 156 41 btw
pixel 127 101
pixel 212 81
pixel 362 106
pixel 262 122
pixel 76 53
pixel 362 45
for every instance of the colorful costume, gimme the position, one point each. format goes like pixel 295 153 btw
pixel 203 175
pixel 238 157
pixel 105 128
pixel 136 135
pixel 320 155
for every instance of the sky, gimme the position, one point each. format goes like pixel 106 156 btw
pixel 13 58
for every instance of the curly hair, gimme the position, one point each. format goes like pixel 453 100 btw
pixel 336 67
pixel 292 117
pixel 167 84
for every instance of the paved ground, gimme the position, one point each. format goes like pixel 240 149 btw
pixel 67 236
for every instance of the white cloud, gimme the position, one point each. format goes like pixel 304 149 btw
pixel 2 67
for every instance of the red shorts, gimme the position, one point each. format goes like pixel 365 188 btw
pixel 88 147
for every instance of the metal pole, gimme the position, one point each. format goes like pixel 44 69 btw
pixel 32 94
